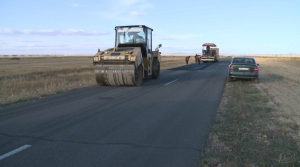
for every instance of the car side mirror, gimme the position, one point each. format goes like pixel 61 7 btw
pixel 257 64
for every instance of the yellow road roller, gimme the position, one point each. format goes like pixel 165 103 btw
pixel 131 60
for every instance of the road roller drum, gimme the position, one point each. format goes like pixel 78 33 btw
pixel 118 75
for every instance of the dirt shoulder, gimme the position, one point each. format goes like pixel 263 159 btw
pixel 280 80
pixel 258 124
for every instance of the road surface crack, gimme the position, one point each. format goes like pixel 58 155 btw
pixel 103 144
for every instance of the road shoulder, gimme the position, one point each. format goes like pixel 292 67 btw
pixel 247 132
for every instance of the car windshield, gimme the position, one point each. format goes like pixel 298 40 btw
pixel 130 35
pixel 243 61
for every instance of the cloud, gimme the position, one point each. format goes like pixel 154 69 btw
pixel 181 49
pixel 165 38
pixel 125 11
pixel 50 32
pixel 187 36
pixel 31 48
pixel 74 32
pixel 137 13
pixel 75 5
pixel 7 32
pixel 46 49
pixel 31 41
pixel 175 37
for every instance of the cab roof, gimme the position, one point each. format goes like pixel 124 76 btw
pixel 210 44
pixel 135 26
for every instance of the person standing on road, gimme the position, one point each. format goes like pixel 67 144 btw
pixel 207 49
pixel 187 59
pixel 198 59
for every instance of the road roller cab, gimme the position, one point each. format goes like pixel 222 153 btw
pixel 131 60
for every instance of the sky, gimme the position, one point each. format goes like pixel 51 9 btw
pixel 82 26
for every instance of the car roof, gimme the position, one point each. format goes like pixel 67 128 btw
pixel 243 58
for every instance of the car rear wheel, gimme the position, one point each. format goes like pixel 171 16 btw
pixel 255 80
pixel 229 79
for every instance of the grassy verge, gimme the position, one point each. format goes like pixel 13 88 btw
pixel 26 87
pixel 247 133
pixel 30 98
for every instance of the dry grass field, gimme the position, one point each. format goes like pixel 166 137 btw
pixel 280 80
pixel 27 78
pixel 31 77
pixel 168 62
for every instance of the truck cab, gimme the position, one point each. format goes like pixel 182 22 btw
pixel 140 36
pixel 210 53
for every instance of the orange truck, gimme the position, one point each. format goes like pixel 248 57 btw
pixel 210 53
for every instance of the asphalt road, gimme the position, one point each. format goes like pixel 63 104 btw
pixel 164 122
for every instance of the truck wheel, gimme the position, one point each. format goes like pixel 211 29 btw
pixel 155 69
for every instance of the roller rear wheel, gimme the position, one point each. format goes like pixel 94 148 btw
pixel 155 69
pixel 138 73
